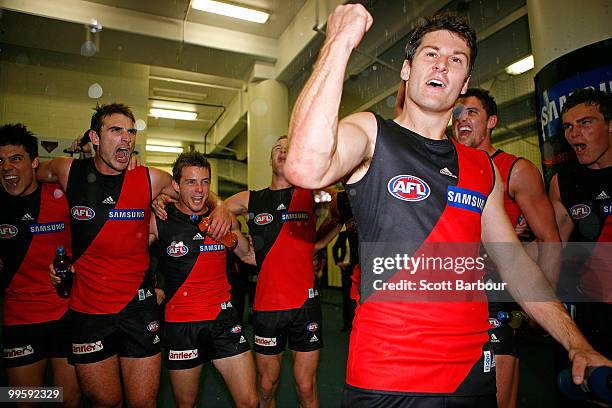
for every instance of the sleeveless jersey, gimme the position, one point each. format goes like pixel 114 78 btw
pixel 193 265
pixel 282 224
pixel 505 163
pixel 31 229
pixel 586 193
pixel 418 192
pixel 110 233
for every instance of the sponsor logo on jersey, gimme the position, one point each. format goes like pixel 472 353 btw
pixel 311 327
pixel 263 219
pixel 465 199
pixel 18 351
pixel 198 236
pixel 580 211
pixel 314 339
pixel 446 172
pixel 141 294
pixel 82 213
pixel 212 247
pixel 602 196
pixel 149 294
pixel 410 188
pixel 225 305
pixel 8 231
pixel 126 214
pixel 265 341
pixel 281 207
pixel 86 348
pixel 494 338
pixel 177 249
pixel 156 339
pixel 607 208
pixel 488 361
pixel 294 216
pixel 236 329
pixel 27 217
pixel 180 355
pixel 108 200
pixel 153 326
pixel 47 228
pixel 494 323
pixel 242 340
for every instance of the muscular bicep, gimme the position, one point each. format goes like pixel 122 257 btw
pixel 356 140
pixel 55 171
pixel 238 204
pixel 161 182
pixel 527 187
pixel 562 217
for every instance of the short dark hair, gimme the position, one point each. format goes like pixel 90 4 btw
pixel 189 159
pixel 17 135
pixel 588 96
pixel 106 110
pixel 485 98
pixel 449 21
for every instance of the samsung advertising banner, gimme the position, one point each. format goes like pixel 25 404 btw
pixel 587 67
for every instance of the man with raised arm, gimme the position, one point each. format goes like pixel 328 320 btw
pixel 409 184
pixel 113 312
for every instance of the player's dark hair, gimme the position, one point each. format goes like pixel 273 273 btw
pixel 106 110
pixel 17 135
pixel 588 96
pixel 189 159
pixel 449 21
pixel 485 98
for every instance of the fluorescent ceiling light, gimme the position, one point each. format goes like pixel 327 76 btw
pixel 521 66
pixel 163 149
pixel 230 10
pixel 172 114
pixel 164 142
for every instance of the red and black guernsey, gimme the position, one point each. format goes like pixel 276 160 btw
pixel 505 163
pixel 282 224
pixel 110 233
pixel 416 192
pixel 193 265
pixel 586 193
pixel 31 228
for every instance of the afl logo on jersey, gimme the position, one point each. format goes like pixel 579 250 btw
pixel 82 213
pixel 408 188
pixel 263 219
pixel 580 211
pixel 177 249
pixel 8 231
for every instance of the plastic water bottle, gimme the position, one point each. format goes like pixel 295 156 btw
pixel 229 239
pixel 596 386
pixel 61 264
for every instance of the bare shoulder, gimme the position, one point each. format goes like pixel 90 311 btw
pixel 364 122
pixel 525 171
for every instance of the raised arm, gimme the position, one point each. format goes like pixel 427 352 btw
pixel 243 250
pixel 55 171
pixel 238 204
pixel 322 150
pixel 527 188
pixel 529 287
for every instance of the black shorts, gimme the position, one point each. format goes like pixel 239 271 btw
pixel 301 327
pixel 133 332
pixel 189 344
pixel 503 338
pixel 25 344
pixel 355 398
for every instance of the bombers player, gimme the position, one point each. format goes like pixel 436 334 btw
pixel 286 308
pixel 33 223
pixel 113 313
pixel 200 321
pixel 524 194
pixel 580 194
pixel 423 354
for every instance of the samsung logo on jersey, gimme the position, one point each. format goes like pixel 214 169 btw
pixel 294 216
pixel 82 213
pixel 465 199
pixel 126 214
pixel 580 211
pixel 8 231
pixel 212 247
pixel 177 249
pixel 408 188
pixel 607 209
pixel 47 228
pixel 263 219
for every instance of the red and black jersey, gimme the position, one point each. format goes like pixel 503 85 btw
pixel 419 193
pixel 31 229
pixel 110 233
pixel 194 267
pixel 586 193
pixel 282 224
pixel 505 163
